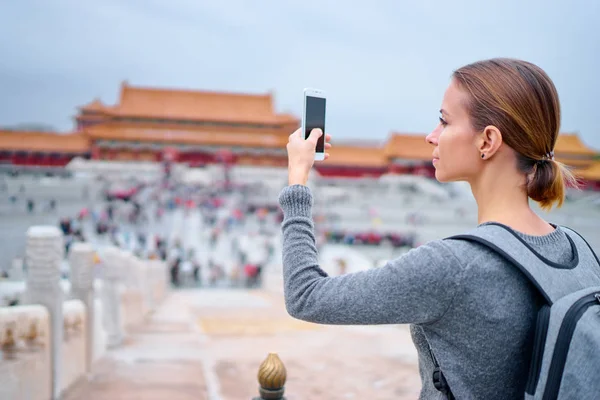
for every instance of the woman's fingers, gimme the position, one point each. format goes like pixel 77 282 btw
pixel 296 132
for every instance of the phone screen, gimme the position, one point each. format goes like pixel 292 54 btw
pixel 315 118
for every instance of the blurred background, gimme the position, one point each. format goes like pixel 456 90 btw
pixel 142 150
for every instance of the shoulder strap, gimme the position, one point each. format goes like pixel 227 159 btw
pixel 551 279
pixel 439 380
pixel 578 238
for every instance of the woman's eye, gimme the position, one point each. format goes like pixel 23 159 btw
pixel 443 122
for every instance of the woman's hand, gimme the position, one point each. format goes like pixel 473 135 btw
pixel 301 155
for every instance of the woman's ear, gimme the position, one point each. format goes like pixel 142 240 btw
pixel 489 141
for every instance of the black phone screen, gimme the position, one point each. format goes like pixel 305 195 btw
pixel 315 118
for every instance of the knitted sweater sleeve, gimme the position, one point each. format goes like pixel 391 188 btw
pixel 417 288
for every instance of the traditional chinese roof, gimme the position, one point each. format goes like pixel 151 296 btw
pixel 414 146
pixel 570 144
pixel 194 105
pixel 43 142
pixel 95 106
pixel 408 146
pixel 591 173
pixel 356 156
pixel 215 136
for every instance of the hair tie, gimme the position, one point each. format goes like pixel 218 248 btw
pixel 545 158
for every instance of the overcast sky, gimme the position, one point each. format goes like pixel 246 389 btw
pixel 384 64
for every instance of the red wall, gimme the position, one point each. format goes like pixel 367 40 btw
pixel 350 172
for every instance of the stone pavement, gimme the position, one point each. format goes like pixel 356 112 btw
pixel 209 343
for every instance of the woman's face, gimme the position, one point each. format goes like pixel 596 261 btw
pixel 455 155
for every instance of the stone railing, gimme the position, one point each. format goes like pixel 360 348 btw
pixel 131 289
pixel 51 344
pixel 25 362
pixel 75 359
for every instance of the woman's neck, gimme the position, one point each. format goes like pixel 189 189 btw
pixel 501 197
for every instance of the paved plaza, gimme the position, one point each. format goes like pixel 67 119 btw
pixel 208 344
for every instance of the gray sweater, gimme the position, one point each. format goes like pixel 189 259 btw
pixel 476 311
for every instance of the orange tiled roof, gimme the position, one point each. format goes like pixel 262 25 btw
pixel 575 163
pixel 198 105
pixel 408 146
pixel 591 173
pixel 357 156
pixel 235 138
pixel 43 142
pixel 414 146
pixel 96 105
pixel 571 144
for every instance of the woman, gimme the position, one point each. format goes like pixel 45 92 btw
pixel 466 305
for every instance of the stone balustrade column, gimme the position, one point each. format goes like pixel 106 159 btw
pixel 112 297
pixel 81 260
pixel 44 254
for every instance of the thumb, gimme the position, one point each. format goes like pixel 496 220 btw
pixel 315 134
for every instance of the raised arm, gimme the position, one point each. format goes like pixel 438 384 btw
pixel 415 288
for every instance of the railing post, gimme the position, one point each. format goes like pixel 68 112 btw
pixel 44 254
pixel 112 297
pixel 81 260
pixel 271 378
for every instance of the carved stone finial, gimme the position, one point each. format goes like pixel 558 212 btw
pixel 77 323
pixel 66 324
pixel 9 338
pixel 271 377
pixel 33 331
pixel 9 345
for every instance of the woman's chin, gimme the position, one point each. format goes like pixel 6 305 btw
pixel 440 176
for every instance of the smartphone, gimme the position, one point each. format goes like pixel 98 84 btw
pixel 314 117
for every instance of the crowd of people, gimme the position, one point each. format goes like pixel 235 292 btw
pixel 138 224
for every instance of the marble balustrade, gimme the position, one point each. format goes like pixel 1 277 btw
pixel 53 341
pixel 25 358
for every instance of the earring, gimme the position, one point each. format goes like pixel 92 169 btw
pixel 482 155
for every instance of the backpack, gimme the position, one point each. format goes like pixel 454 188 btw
pixel 565 362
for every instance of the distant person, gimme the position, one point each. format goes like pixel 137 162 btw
pixel 30 205
pixel 175 267
pixel 196 271
pixel 65 226
pixel 472 311
pixel 110 210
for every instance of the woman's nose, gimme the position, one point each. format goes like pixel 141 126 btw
pixel 432 138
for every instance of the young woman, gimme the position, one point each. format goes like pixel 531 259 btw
pixel 467 306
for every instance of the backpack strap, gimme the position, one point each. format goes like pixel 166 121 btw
pixel 553 280
pixel 582 244
pixel 439 380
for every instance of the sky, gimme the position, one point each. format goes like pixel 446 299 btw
pixel 384 64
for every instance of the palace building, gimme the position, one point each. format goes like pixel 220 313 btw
pixel 202 127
